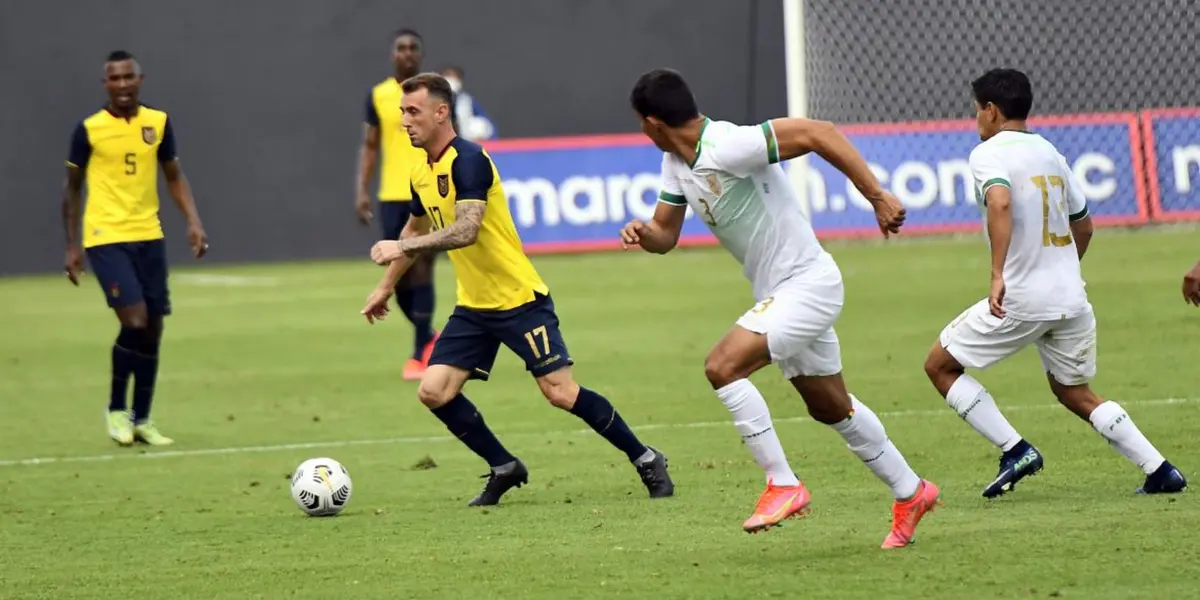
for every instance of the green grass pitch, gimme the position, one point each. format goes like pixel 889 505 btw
pixel 264 366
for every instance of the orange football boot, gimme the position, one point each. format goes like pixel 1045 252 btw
pixel 427 352
pixel 776 504
pixel 906 515
pixel 414 368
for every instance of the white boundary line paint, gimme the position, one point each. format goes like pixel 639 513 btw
pixel 133 454
pixel 223 280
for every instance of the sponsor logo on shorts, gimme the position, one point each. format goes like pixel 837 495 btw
pixel 548 361
pixel 114 290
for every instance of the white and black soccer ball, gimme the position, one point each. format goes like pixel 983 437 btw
pixel 321 487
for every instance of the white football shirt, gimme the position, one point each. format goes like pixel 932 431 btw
pixel 1041 273
pixel 737 188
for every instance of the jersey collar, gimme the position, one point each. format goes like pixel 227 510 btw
pixel 108 110
pixel 698 140
pixel 434 161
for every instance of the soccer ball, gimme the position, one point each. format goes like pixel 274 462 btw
pixel 321 487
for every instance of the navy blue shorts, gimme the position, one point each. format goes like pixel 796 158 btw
pixel 133 272
pixel 392 218
pixel 472 338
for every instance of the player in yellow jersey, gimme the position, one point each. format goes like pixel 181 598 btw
pixel 501 298
pixel 386 146
pixel 116 151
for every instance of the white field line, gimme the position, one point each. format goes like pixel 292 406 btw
pixel 943 412
pixel 222 280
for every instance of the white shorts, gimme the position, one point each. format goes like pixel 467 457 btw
pixel 979 339
pixel 797 318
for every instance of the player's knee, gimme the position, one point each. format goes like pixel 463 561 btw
pixel 826 399
pixel 561 393
pixel 432 395
pixel 1079 399
pixel 135 320
pixel 939 364
pixel 721 370
pixel 829 413
pixel 933 367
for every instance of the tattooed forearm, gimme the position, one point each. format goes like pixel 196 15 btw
pixel 468 218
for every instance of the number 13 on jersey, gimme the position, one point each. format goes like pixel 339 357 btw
pixel 1044 183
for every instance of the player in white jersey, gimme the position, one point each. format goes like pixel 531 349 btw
pixel 731 178
pixel 1038 228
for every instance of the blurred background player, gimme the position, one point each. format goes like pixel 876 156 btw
pixel 472 123
pixel 116 151
pixel 383 131
pixel 731 178
pixel 1191 285
pixel 501 298
pixel 1038 229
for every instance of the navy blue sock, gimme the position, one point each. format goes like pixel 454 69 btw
pixel 122 367
pixel 145 374
pixel 404 300
pixel 598 412
pixel 465 422
pixel 422 317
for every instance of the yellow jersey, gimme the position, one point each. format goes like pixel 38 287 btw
pixel 120 160
pixel 493 273
pixel 397 154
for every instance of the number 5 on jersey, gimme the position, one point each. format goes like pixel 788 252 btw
pixel 1044 183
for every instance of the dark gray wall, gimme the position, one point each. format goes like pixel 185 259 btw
pixel 267 99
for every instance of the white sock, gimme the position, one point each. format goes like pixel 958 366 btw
pixel 976 406
pixel 1117 427
pixel 866 437
pixel 753 421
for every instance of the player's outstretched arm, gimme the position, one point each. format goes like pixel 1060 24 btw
pixel 72 204
pixel 181 193
pixel 999 230
pixel 661 234
pixel 797 137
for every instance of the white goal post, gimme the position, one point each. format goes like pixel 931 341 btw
pixel 797 89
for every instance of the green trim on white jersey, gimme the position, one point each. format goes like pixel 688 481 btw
pixel 772 143
pixel 699 141
pixel 672 199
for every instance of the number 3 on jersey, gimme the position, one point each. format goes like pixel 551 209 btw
pixel 1044 183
